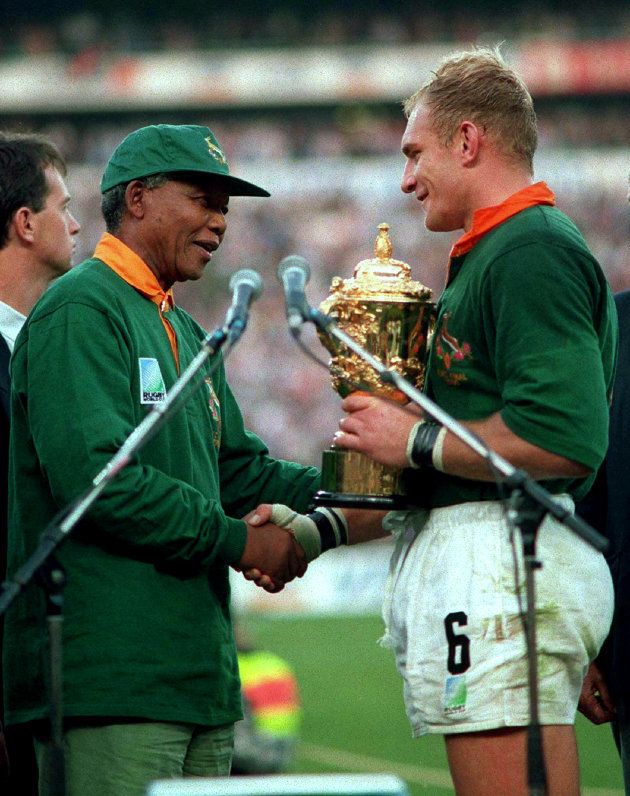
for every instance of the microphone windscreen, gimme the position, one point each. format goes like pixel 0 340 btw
pixel 248 276
pixel 296 262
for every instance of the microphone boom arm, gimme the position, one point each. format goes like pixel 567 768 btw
pixel 61 526
pixel 514 478
pixel 42 563
pixel 529 503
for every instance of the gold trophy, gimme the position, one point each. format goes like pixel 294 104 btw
pixel 389 315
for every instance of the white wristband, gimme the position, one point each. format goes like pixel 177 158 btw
pixel 410 441
pixel 438 449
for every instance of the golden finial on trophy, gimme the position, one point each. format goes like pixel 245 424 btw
pixel 383 245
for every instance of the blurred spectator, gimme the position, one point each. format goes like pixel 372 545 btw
pixel 265 740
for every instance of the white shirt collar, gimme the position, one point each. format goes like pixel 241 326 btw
pixel 11 321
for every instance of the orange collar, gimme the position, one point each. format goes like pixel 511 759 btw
pixel 488 218
pixel 132 268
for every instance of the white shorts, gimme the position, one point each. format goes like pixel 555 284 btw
pixel 452 618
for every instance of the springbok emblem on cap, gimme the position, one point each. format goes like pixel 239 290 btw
pixel 216 153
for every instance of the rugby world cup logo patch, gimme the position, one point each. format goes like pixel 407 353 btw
pixel 455 694
pixel 152 387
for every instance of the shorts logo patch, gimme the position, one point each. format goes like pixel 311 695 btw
pixel 455 694
pixel 152 387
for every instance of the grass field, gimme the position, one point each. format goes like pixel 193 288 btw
pixel 354 719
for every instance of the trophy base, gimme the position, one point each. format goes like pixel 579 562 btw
pixel 353 480
pixel 392 503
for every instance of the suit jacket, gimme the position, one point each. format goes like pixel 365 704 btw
pixel 22 777
pixel 5 394
pixel 607 508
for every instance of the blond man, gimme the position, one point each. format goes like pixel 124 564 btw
pixel 523 354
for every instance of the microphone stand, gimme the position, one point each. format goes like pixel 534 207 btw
pixel 42 564
pixel 529 503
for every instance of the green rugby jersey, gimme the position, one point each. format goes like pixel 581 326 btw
pixel 526 327
pixel 147 621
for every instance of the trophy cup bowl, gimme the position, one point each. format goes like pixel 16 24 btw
pixel 391 316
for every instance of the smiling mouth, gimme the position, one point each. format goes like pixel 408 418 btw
pixel 207 246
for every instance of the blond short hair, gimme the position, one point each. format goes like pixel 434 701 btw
pixel 479 86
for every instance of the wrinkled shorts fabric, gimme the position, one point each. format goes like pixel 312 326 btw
pixel 452 612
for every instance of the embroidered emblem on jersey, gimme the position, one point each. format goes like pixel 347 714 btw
pixel 215 411
pixel 216 153
pixel 152 388
pixel 455 694
pixel 450 351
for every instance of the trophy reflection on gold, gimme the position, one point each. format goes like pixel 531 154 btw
pixel 389 315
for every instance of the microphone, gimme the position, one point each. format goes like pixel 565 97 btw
pixel 246 285
pixel 294 273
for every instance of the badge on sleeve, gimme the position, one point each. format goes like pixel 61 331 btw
pixel 152 388
pixel 215 411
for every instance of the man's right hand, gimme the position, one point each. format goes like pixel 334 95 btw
pixel 595 700
pixel 274 553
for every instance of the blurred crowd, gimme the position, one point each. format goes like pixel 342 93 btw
pixel 286 397
pixel 351 131
pixel 332 183
pixel 86 31
pixel 333 180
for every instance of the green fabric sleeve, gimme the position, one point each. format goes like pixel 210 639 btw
pixel 80 412
pixel 248 474
pixel 541 307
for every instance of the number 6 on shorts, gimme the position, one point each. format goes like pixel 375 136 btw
pixel 458 644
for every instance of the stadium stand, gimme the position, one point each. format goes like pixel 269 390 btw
pixel 306 100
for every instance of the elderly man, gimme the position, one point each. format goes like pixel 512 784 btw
pixel 150 667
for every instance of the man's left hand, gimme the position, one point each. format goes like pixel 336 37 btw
pixel 377 427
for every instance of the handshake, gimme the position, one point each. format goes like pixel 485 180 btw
pixel 281 543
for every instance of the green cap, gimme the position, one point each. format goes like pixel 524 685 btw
pixel 165 148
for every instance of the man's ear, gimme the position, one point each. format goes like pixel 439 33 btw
pixel 470 140
pixel 135 194
pixel 22 225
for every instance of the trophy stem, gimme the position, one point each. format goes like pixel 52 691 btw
pixel 353 480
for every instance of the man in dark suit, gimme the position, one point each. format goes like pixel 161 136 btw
pixel 36 245
pixel 606 690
